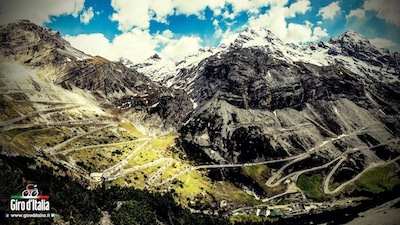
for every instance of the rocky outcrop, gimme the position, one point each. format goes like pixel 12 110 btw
pixel 252 79
pixel 36 46
pixel 170 105
pixel 99 74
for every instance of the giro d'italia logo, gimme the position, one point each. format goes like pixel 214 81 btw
pixel 30 200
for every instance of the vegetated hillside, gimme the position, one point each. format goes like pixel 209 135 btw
pixel 75 204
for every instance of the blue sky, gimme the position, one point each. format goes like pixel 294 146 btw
pixel 136 29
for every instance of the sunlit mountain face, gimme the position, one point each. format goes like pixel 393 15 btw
pixel 206 112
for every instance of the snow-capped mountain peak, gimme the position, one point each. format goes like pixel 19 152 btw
pixel 351 36
pixel 163 70
pixel 256 36
pixel 350 50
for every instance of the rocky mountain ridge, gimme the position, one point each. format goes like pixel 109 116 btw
pixel 350 50
pixel 111 82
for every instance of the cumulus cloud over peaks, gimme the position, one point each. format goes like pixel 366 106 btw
pixel 38 11
pixel 329 11
pixel 135 14
pixel 136 45
pixel 138 13
pixel 87 15
pixel 387 10
pixel 275 20
pixel 181 47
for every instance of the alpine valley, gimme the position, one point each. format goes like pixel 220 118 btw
pixel 252 131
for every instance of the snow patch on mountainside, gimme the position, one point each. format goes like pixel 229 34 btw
pixel 163 70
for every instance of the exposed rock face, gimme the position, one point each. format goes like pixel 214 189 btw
pixel 250 78
pixel 254 107
pixel 36 46
pixel 99 74
pixel 110 82
pixel 171 105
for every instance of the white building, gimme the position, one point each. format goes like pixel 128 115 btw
pixel 96 176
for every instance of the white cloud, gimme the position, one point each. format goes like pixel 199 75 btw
pixel 136 45
pixel 217 29
pixel 227 15
pixel 299 7
pixel 329 11
pixel 138 13
pixel 382 43
pixel 186 7
pixel 298 32
pixel 38 11
pixel 387 10
pixel 357 13
pixel 228 37
pixel 94 44
pixel 251 6
pixel 130 13
pixel 87 15
pixel 275 21
pixel 318 33
pixel 168 33
pixel 301 33
pixel 181 47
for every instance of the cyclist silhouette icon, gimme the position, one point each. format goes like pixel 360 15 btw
pixel 30 190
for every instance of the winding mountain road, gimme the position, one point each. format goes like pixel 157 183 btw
pixel 52 150
pixel 59 123
pixel 11 121
pixel 123 162
pixel 65 152
pixel 343 185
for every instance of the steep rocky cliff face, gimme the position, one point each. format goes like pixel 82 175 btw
pixel 249 78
